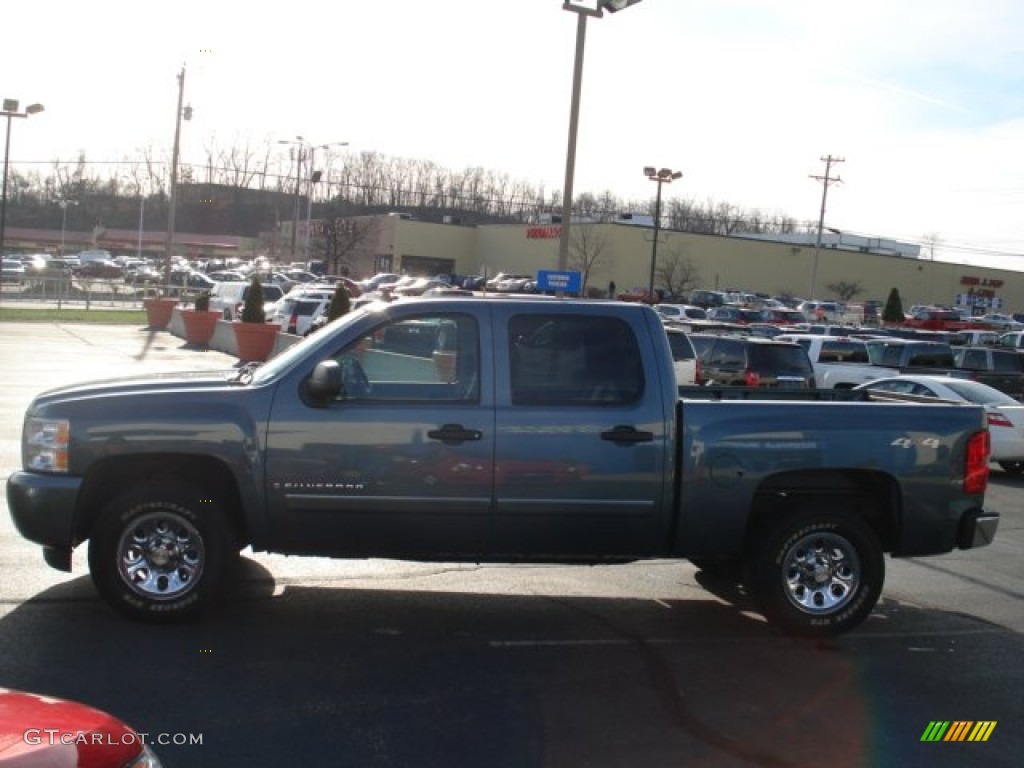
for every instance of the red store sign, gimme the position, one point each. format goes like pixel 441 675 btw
pixel 982 281
pixel 543 233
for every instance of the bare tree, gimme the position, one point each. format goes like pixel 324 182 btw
pixel 589 251
pixel 349 244
pixel 677 273
pixel 845 290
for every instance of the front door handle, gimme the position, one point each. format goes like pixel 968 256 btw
pixel 626 434
pixel 454 433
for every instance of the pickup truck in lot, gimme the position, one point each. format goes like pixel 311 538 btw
pixel 839 362
pixel 496 429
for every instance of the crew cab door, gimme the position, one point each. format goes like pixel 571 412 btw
pixel 400 462
pixel 581 435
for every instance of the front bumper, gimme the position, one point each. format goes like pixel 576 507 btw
pixel 977 528
pixel 43 508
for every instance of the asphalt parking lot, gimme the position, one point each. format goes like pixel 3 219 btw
pixel 385 663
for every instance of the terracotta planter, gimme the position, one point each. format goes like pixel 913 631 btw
pixel 199 325
pixel 255 341
pixel 158 312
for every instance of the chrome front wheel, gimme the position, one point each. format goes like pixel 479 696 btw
pixel 161 556
pixel 160 553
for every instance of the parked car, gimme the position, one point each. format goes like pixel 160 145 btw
pixel 684 356
pixel 974 338
pixel 1013 340
pixel 840 362
pixel 1002 369
pixel 228 298
pixel 378 281
pixel 911 355
pixel 1004 414
pixel 732 314
pixel 784 316
pixel 755 361
pixel 296 313
pixel 707 299
pixel 38 731
pixel 1001 321
pixel 509 283
pixel 13 272
pixel 680 312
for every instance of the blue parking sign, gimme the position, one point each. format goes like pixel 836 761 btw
pixel 549 280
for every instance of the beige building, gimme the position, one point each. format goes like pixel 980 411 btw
pixel 401 244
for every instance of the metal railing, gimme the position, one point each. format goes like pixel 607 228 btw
pixel 84 291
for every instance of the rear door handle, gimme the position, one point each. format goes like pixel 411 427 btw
pixel 454 433
pixel 626 434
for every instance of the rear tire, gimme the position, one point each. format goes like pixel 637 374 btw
pixel 817 574
pixel 160 553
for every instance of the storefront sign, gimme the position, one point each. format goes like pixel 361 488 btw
pixel 543 233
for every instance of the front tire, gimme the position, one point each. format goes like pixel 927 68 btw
pixel 818 574
pixel 159 553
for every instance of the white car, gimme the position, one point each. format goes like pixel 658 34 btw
pixel 1005 415
pixel 680 313
pixel 1003 322
pixel 228 298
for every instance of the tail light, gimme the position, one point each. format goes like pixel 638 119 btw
pixel 751 378
pixel 997 419
pixel 293 323
pixel 698 374
pixel 976 463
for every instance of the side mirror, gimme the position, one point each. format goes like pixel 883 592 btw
pixel 324 384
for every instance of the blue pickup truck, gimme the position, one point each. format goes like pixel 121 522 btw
pixel 496 429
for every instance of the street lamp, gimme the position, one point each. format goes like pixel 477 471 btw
pixel 182 113
pixel 661 176
pixel 64 220
pixel 9 111
pixel 582 12
pixel 314 177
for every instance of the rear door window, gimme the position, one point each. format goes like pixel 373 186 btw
pixel 569 360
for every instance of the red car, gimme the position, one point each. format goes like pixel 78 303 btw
pixel 37 731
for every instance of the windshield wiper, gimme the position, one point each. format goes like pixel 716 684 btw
pixel 244 373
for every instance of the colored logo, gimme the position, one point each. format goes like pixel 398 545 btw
pixel 958 730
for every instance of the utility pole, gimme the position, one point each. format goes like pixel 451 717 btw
pixel 173 202
pixel 826 180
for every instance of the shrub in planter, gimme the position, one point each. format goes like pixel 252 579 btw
pixel 199 321
pixel 254 337
pixel 340 303
pixel 252 310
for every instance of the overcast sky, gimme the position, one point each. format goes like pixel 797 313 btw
pixel 923 99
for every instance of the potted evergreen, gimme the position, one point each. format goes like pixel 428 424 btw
pixel 254 336
pixel 200 322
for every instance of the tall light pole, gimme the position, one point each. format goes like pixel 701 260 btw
pixel 10 111
pixel 182 113
pixel 314 176
pixel 661 176
pixel 64 220
pixel 826 180
pixel 582 12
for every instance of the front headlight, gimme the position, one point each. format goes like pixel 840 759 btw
pixel 46 444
